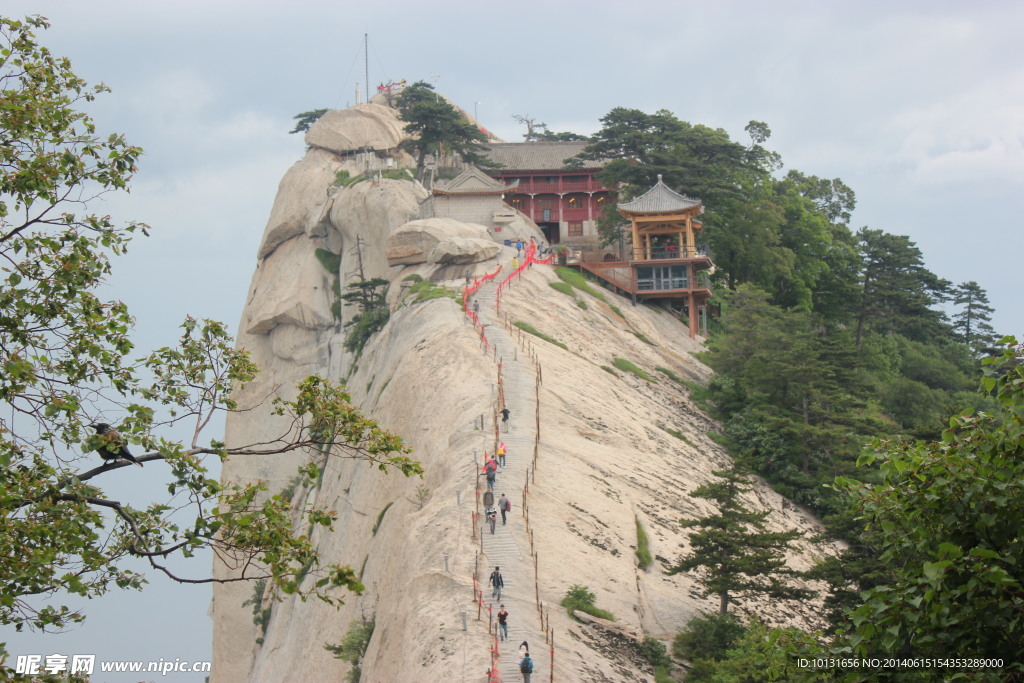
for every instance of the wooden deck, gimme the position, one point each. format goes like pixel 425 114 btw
pixel 623 275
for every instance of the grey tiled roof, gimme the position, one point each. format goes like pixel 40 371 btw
pixel 536 156
pixel 472 181
pixel 659 199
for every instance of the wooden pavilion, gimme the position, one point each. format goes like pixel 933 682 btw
pixel 664 261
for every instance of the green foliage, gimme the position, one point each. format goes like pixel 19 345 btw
pixel 643 552
pixel 396 174
pixel 65 352
pixel 581 303
pixel 329 260
pixel 662 674
pixel 678 434
pixel 694 159
pixel 644 339
pixel 763 654
pixel 530 329
pixel 670 374
pixel 353 646
pixel 563 287
pixel 306 119
pixel 972 322
pixel 708 637
pixel 896 292
pixel 369 296
pixel 732 551
pixel 380 517
pixel 260 614
pixel 630 366
pixel 575 279
pixel 609 371
pixel 655 652
pixel 948 516
pixel 616 310
pixel 579 598
pixel 343 179
pixel 425 290
pixel 436 125
pixel 718 438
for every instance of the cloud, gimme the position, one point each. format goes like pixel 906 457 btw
pixel 975 136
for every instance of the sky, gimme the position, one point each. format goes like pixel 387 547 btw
pixel 918 106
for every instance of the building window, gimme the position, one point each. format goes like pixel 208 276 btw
pixel 575 202
pixel 550 179
pixel 576 229
pixel 516 203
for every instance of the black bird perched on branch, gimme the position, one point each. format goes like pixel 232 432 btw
pixel 115 447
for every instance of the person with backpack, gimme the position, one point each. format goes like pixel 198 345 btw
pixel 526 667
pixel 504 505
pixel 501 454
pixel 491 477
pixel 497 581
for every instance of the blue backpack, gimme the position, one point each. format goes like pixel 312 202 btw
pixel 526 666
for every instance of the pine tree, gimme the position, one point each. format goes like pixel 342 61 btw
pixel 972 322
pixel 896 290
pixel 437 128
pixel 733 551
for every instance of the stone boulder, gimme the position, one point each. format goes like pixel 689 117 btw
pixel 364 126
pixel 290 288
pixel 301 196
pixel 440 241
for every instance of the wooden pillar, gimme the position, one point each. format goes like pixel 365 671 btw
pixel 692 305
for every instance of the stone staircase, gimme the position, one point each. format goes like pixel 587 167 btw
pixel 509 546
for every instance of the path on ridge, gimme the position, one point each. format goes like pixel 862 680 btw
pixel 509 547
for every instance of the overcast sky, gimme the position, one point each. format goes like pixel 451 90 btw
pixel 918 106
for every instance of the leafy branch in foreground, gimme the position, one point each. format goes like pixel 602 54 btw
pixel 65 364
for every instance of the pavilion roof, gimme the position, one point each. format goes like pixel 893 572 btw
pixel 659 199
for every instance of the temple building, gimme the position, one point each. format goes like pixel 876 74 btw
pixel 471 197
pixel 564 202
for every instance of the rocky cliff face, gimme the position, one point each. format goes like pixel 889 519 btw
pixel 604 456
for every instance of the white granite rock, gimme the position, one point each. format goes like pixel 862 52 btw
pixel 291 288
pixel 364 126
pixel 439 240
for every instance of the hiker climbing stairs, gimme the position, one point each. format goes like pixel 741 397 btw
pixel 509 546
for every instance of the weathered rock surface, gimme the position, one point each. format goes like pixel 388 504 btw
pixel 363 126
pixel 291 289
pixel 605 459
pixel 439 240
pixel 301 195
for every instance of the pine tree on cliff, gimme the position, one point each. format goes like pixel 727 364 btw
pixel 733 552
pixel 437 128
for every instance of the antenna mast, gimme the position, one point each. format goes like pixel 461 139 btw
pixel 366 62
